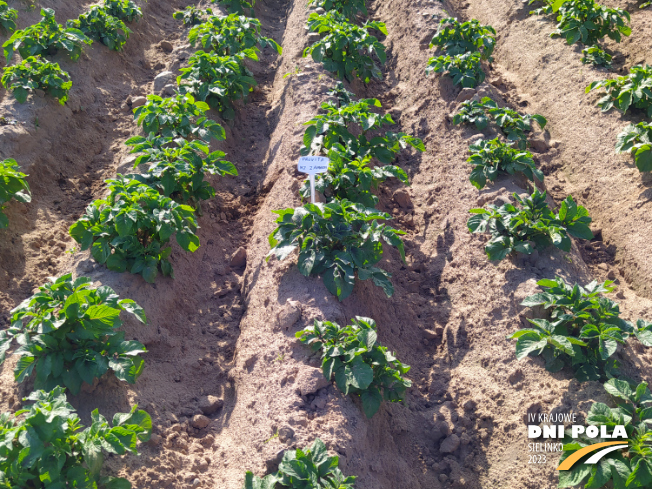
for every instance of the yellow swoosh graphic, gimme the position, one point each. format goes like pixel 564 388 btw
pixel 570 461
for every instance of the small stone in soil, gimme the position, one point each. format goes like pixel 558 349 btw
pixel 200 421
pixel 285 434
pixel 450 444
pixel 166 46
pixel 138 101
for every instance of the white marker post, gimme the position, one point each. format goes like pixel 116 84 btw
pixel 312 165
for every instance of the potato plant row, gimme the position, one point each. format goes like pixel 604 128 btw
pixel 104 23
pixel 588 22
pixel 131 229
pixel 45 38
pixel 69 332
pixel 341 238
pixel 580 329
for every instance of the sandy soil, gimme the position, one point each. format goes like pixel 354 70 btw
pixel 229 332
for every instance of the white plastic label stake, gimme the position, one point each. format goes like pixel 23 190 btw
pixel 312 165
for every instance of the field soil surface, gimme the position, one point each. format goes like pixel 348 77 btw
pixel 221 335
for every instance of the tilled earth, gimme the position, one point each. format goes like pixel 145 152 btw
pixel 221 335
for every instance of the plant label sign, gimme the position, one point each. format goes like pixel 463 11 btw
pixel 312 165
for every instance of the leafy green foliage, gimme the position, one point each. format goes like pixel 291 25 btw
pixel 310 468
pixel 633 411
pixel 637 139
pixel 352 179
pixel 177 167
pixel 34 73
pixel 348 8
pixel 336 240
pixel 45 37
pixel 464 69
pixel 597 56
pixel 100 25
pixel 346 48
pixel 125 10
pixel 327 130
pixel 514 125
pixel 191 15
pixel 129 230
pixel 12 186
pixel 632 90
pixel 178 116
pixel 230 35
pixel 532 226
pixel 8 17
pixel 491 158
pixel 588 22
pixel 456 38
pixel 582 329
pixel 43 447
pixel 237 6
pixel 359 365
pixel 218 80
pixel 68 334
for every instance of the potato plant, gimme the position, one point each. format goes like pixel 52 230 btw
pixel 455 38
pixel 237 6
pixel 125 10
pixel 346 49
pixel 191 15
pixel 310 468
pixel 100 25
pixel 631 470
pixel 533 226
pixel 8 17
pixel 624 92
pixel 218 80
pixel 348 8
pixel 35 73
pixel 514 126
pixel 177 167
pixel 637 140
pixel 229 35
pixel 45 37
pixel 68 334
pixel 180 116
pixel 597 56
pixel 586 21
pixel 581 330
pixel 332 127
pixel 359 365
pixel 336 241
pixel 131 228
pixel 493 158
pixel 352 180
pixel 46 446
pixel 12 186
pixel 464 69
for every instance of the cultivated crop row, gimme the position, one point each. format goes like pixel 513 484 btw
pixel 104 23
pixel 130 230
pixel 580 329
pixel 341 238
pixel 68 333
pixel 587 22
pixel 45 38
